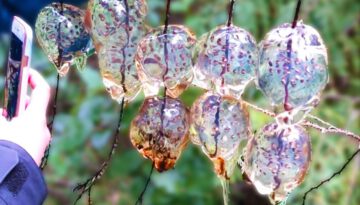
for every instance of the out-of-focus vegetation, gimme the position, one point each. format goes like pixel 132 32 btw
pixel 87 116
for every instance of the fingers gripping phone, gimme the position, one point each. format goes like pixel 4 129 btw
pixel 17 68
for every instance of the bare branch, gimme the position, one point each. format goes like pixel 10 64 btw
pixel 320 125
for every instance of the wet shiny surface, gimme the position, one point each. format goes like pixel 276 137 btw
pixel 293 66
pixel 226 58
pixel 277 159
pixel 62 35
pixel 161 135
pixel 165 60
pixel 219 125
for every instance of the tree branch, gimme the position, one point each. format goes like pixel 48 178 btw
pixel 320 125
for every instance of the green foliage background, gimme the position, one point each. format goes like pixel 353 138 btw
pixel 87 116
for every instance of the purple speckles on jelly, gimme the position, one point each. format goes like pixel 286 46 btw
pixel 165 60
pixel 226 59
pixel 60 31
pixel 219 124
pixel 277 159
pixel 116 28
pixel 161 135
pixel 300 71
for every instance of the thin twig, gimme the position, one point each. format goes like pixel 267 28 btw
pixel 332 176
pixel 167 17
pixel 141 196
pixel 257 108
pixel 86 186
pixel 50 125
pixel 231 11
pixel 330 129
pixel 296 16
pixel 89 197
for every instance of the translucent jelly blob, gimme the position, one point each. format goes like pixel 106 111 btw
pixel 161 135
pixel 219 124
pixel 293 66
pixel 226 58
pixel 165 60
pixel 117 68
pixel 277 159
pixel 116 28
pixel 109 21
pixel 61 34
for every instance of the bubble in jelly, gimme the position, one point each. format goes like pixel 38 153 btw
pixel 165 60
pixel 277 159
pixel 219 124
pixel 61 34
pixel 160 132
pixel 226 58
pixel 292 68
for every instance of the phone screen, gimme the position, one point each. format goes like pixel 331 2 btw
pixel 13 76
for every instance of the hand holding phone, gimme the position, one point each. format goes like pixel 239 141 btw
pixel 29 130
pixel 17 69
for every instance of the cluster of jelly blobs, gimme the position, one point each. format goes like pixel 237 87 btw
pixel 289 67
pixel 292 72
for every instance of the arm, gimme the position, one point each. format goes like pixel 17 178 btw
pixel 22 144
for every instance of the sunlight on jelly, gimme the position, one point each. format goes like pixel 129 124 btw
pixel 277 159
pixel 226 58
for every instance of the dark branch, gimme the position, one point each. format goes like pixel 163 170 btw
pixel 167 17
pixel 141 196
pixel 231 11
pixel 50 125
pixel 331 177
pixel 86 186
pixel 296 16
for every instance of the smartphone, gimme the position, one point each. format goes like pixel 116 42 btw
pixel 17 68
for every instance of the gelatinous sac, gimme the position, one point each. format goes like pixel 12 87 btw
pixel 116 28
pixel 277 160
pixel 225 59
pixel 109 21
pixel 119 73
pixel 293 66
pixel 61 34
pixel 165 60
pixel 160 132
pixel 219 124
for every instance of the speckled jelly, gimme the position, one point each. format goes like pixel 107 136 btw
pixel 60 31
pixel 160 132
pixel 165 60
pixel 277 159
pixel 219 125
pixel 226 58
pixel 292 68
pixel 118 71
pixel 116 28
pixel 110 21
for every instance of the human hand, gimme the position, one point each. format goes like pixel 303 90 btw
pixel 29 130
